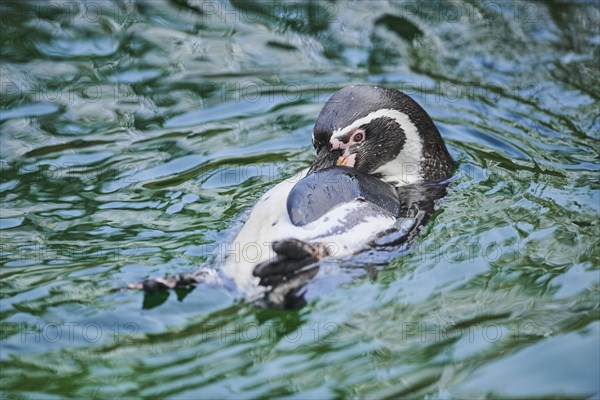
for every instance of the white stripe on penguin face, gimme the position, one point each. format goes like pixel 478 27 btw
pixel 405 168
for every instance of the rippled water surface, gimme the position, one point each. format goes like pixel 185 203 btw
pixel 135 137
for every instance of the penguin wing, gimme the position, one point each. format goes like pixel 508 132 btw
pixel 322 191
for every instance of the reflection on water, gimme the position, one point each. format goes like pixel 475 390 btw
pixel 136 136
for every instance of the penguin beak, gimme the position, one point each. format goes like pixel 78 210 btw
pixel 346 160
pixel 325 159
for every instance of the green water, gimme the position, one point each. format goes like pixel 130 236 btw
pixel 135 137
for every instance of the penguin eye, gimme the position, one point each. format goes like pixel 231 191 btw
pixel 358 137
pixel 317 145
pixel 319 138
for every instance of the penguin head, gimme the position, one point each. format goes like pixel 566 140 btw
pixel 381 132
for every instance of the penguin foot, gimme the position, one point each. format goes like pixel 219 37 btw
pixel 293 256
pixel 179 281
pixel 295 263
pixel 169 282
pixel 288 293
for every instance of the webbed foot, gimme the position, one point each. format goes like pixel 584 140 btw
pixel 292 257
pixel 286 274
pixel 179 281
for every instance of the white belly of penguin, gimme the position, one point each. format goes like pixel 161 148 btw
pixel 345 230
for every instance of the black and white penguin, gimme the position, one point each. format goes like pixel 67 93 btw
pixel 374 146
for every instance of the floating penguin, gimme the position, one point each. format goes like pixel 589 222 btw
pixel 380 166
pixel 379 155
